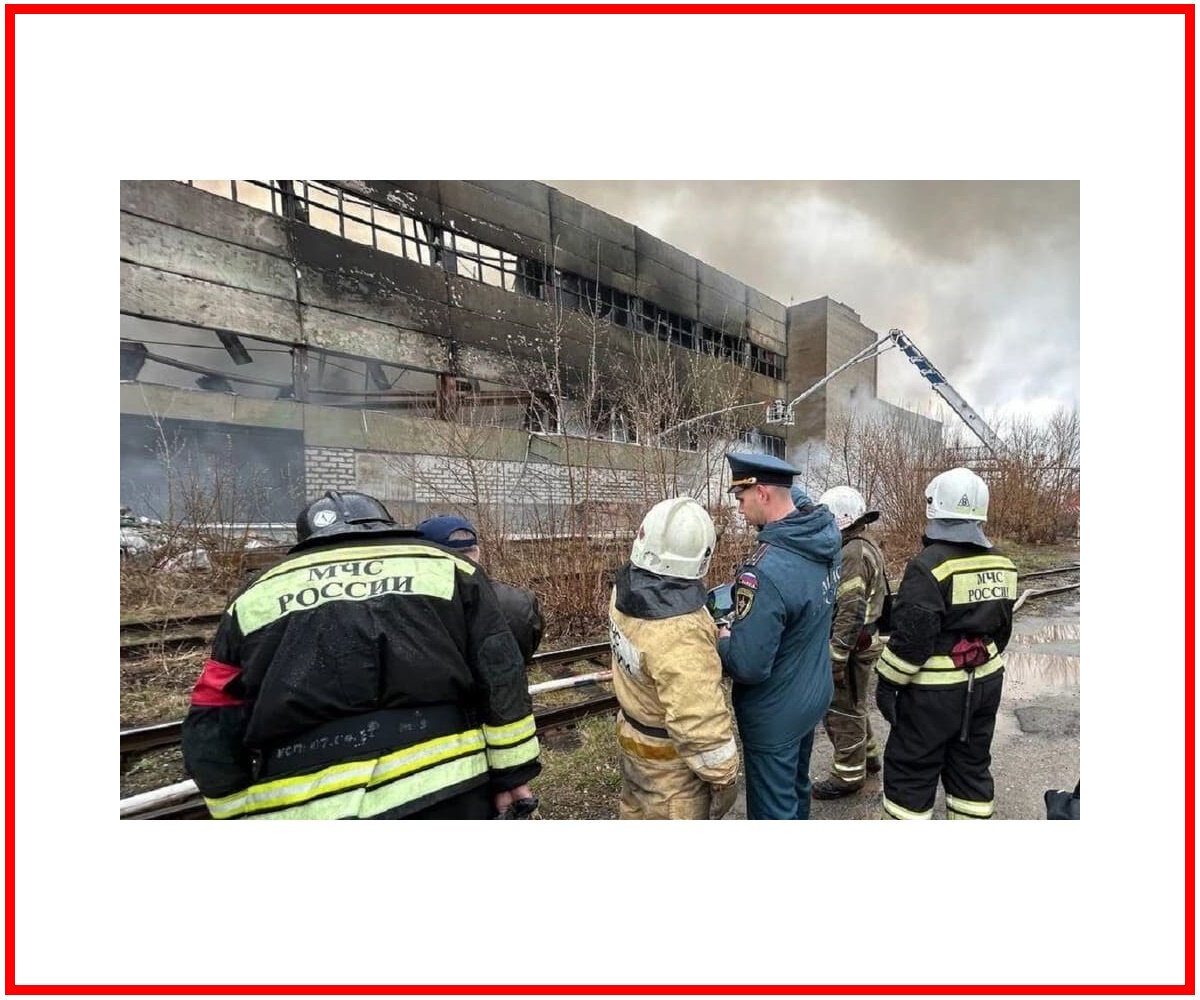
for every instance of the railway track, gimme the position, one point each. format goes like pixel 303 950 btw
pixel 182 801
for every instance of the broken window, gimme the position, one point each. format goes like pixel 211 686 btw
pixel 541 414
pixel 365 383
pixel 191 357
pixel 763 444
pixel 328 207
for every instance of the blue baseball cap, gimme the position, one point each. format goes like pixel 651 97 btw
pixel 439 529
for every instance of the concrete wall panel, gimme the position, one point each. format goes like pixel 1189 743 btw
pixel 168 248
pixel 354 294
pixel 579 215
pixel 495 219
pixel 650 248
pixel 721 282
pixel 365 338
pixel 722 312
pixel 317 249
pixel 198 211
pixel 163 401
pixel 766 332
pixel 766 305
pixel 176 299
pixel 420 199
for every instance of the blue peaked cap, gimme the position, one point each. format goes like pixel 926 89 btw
pixel 758 470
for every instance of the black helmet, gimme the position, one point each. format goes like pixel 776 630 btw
pixel 338 514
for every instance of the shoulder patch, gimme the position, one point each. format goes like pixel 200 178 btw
pixel 743 600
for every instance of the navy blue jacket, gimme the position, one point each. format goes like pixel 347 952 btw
pixel 778 649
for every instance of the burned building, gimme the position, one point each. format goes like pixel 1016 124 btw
pixel 287 337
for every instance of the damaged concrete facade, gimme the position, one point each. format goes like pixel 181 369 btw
pixel 315 332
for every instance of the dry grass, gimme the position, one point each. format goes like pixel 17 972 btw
pixel 583 779
pixel 156 688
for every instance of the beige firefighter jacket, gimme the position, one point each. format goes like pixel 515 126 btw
pixel 859 598
pixel 667 676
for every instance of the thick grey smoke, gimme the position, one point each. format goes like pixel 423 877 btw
pixel 984 275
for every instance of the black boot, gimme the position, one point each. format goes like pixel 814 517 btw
pixel 874 765
pixel 830 789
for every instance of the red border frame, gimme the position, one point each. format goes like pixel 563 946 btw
pixel 1187 11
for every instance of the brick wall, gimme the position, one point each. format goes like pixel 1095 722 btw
pixel 328 469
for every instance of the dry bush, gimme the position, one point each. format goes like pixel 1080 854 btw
pixel 891 457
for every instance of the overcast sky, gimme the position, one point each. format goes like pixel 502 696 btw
pixel 984 275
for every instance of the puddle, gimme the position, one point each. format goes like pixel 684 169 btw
pixel 1053 632
pixel 1041 671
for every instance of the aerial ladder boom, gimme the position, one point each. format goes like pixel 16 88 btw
pixel 780 412
pixel 935 378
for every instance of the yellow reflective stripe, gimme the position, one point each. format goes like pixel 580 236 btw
pixel 895 676
pixel 512 732
pixel 291 790
pixel 513 756
pixel 425 754
pixel 899 812
pixel 355 553
pixel 970 564
pixel 936 677
pixel 285 791
pixel 903 666
pixel 944 663
pixel 356 579
pixel 968 808
pixel 854 583
pixel 371 802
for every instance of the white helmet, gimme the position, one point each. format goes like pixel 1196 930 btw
pixel 676 538
pixel 847 506
pixel 957 494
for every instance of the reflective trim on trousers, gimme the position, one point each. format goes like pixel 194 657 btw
pixel 895 811
pixel 957 808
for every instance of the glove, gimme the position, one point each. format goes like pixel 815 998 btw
pixel 721 799
pixel 885 697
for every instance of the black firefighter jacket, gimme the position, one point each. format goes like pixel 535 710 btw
pixel 952 593
pixel 362 678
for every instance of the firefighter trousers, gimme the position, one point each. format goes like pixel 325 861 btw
pixel 847 724
pixel 924 747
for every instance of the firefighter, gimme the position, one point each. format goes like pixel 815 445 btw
pixel 520 606
pixel 941 674
pixel 777 647
pixel 368 675
pixel 678 756
pixel 853 647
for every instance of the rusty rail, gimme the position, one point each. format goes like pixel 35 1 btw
pixel 167 734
